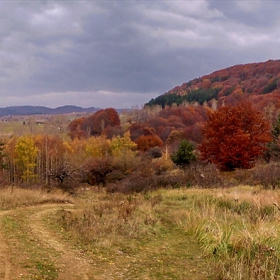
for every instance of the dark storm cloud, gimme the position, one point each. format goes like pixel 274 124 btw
pixel 122 53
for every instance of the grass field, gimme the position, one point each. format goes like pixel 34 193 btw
pixel 229 233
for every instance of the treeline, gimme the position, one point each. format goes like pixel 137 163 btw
pixel 200 95
pixel 140 153
pixel 100 149
pixel 48 160
pixel 168 126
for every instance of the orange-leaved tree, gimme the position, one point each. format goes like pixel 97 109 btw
pixel 234 136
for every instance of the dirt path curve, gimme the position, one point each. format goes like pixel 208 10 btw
pixel 71 263
pixel 5 264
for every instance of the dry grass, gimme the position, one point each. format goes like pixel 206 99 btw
pixel 12 198
pixel 109 219
pixel 133 236
pixel 238 228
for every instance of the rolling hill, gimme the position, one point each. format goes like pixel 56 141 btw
pixel 259 82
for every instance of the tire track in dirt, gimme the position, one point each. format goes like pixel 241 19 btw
pixel 5 263
pixel 71 263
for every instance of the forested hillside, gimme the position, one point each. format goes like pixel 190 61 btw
pixel 259 82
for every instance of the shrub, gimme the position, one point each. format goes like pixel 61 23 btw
pixel 268 175
pixel 207 176
pixel 96 169
pixel 184 155
pixel 145 142
pixel 155 152
pixel 115 176
pixel 132 184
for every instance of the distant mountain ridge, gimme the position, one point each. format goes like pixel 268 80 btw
pixel 40 110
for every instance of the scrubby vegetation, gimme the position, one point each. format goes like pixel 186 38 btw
pixel 237 229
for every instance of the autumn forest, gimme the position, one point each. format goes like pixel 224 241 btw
pixel 229 119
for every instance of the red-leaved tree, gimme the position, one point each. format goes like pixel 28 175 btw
pixel 234 136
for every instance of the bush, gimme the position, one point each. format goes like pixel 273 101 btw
pixel 155 152
pixel 132 184
pixel 115 176
pixel 96 170
pixel 206 176
pixel 268 175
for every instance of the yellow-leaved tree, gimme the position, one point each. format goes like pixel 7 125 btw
pixel 98 147
pixel 119 143
pixel 26 157
pixel 124 154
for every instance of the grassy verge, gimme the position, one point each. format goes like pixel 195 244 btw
pixel 238 229
pixel 12 198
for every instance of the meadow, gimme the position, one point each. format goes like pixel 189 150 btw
pixel 182 233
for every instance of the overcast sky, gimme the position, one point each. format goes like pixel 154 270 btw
pixel 123 53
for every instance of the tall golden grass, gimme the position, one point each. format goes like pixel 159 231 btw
pixel 12 198
pixel 238 229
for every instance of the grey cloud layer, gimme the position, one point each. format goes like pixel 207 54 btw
pixel 122 53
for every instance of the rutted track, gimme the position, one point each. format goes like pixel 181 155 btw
pixel 69 262
pixel 29 247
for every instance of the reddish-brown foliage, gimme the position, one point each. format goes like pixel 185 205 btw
pixel 145 142
pixel 193 133
pixel 234 136
pixel 95 124
pixel 172 118
pixel 112 117
pixel 247 80
pixel 136 130
pixel 76 123
pixel 110 131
